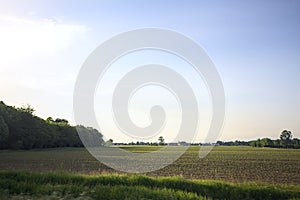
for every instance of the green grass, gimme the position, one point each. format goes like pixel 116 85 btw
pixel 69 186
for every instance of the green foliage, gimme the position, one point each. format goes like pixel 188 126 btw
pixel 26 109
pixel 286 135
pixel 136 187
pixel 26 131
pixel 235 143
pixel 3 133
pixel 92 137
pixel 161 140
pixel 285 141
pixel 285 138
pixel 296 143
pixel 266 142
pixel 62 122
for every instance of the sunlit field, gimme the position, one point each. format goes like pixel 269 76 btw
pixel 226 173
pixel 234 164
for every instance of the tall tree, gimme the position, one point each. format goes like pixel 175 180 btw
pixel 286 137
pixel 161 140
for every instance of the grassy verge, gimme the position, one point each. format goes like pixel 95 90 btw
pixel 70 186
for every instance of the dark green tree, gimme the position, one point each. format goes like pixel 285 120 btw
pixel 286 137
pixel 296 143
pixel 4 133
pixel 161 140
pixel 253 143
pixel 258 143
pixel 266 142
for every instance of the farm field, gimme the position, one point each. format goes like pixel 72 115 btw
pixel 226 173
pixel 234 164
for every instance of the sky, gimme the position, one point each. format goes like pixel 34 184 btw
pixel 255 46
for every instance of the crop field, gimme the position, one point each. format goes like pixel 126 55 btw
pixel 233 164
pixel 226 173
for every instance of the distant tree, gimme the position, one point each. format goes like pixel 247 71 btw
pixel 296 143
pixel 285 138
pixel 161 140
pixel 153 144
pixel 4 133
pixel 258 143
pixel 253 143
pixel 276 143
pixel 109 142
pixel 286 135
pixel 266 142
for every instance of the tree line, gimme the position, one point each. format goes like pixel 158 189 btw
pixel 285 140
pixel 20 129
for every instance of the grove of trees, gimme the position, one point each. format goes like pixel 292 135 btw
pixel 20 129
pixel 285 141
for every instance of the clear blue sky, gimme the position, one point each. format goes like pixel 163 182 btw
pixel 255 46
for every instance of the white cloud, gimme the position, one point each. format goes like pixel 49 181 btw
pixel 21 38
